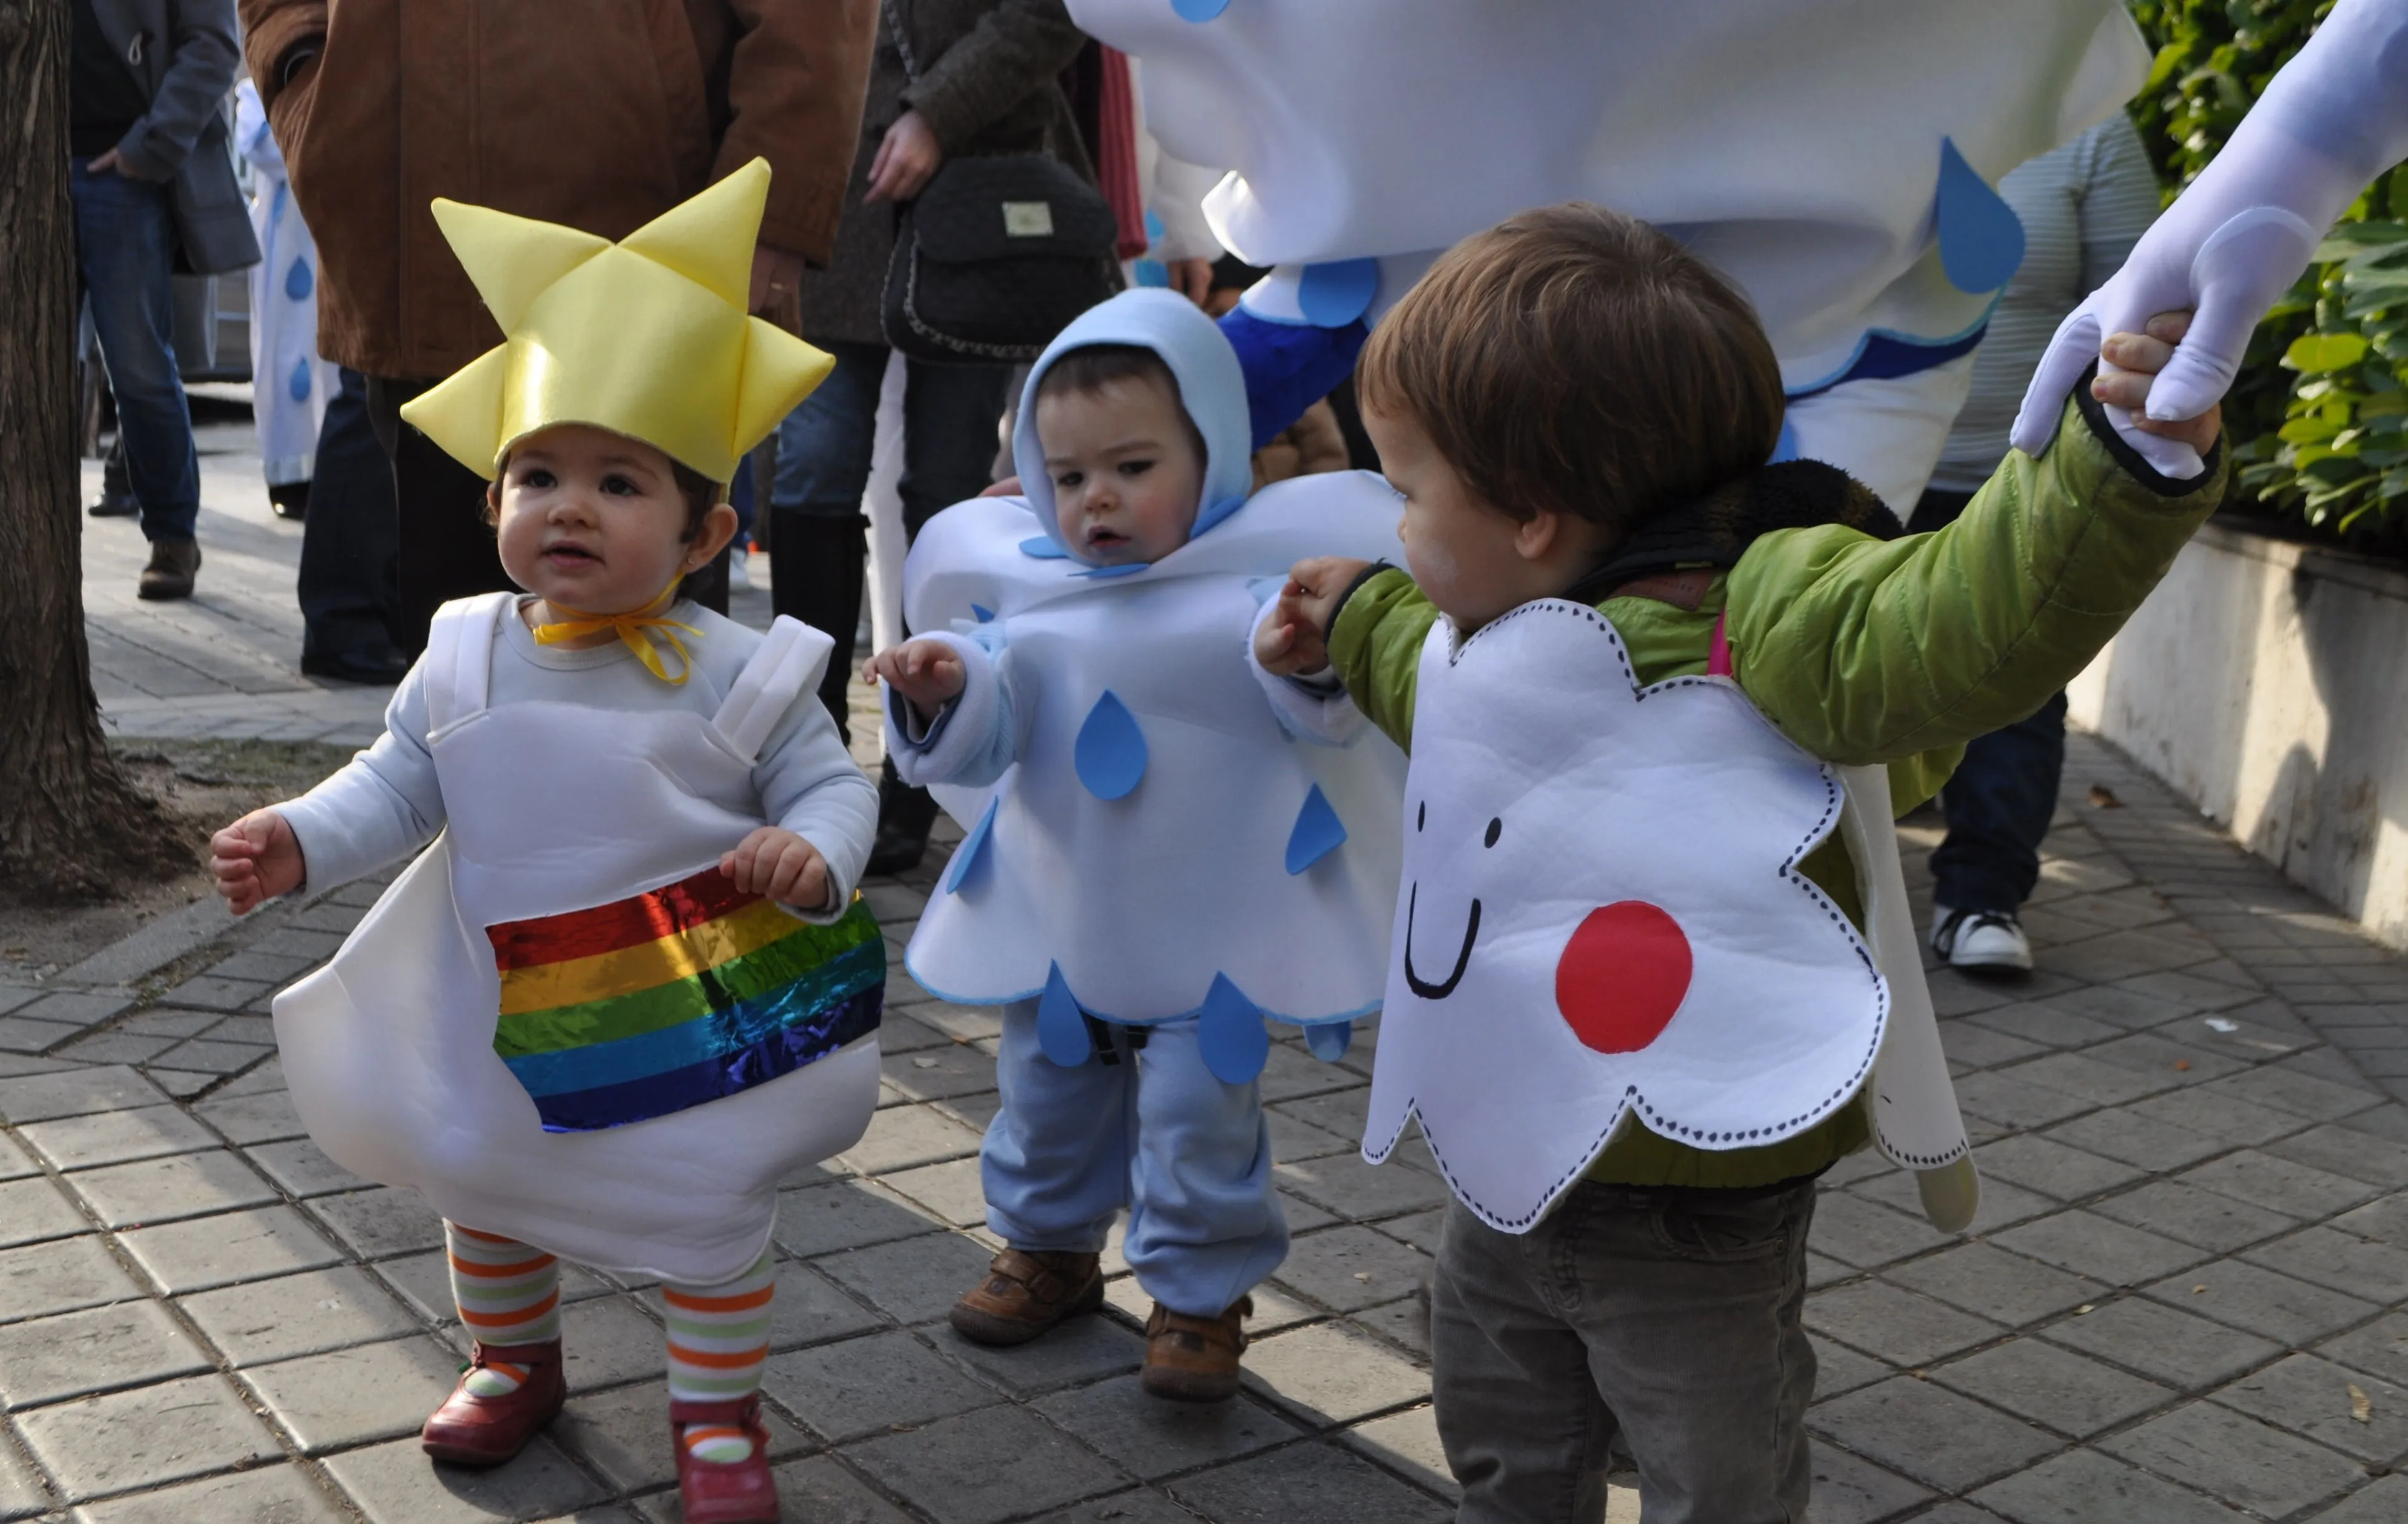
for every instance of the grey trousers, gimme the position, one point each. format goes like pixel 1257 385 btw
pixel 1669 1315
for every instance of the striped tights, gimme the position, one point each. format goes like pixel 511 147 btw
pixel 509 1293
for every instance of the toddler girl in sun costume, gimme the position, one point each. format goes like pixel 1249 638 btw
pixel 629 987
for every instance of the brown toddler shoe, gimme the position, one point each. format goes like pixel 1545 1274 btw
pixel 1024 1293
pixel 508 1392
pixel 1195 1359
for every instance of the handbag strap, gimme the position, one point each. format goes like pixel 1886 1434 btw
pixel 902 39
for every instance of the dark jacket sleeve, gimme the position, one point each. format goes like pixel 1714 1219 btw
pixel 796 77
pixel 202 54
pixel 1016 49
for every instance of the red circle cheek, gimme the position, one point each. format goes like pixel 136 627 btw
pixel 1621 976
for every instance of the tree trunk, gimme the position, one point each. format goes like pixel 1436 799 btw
pixel 71 825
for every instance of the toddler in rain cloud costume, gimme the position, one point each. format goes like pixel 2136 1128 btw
pixel 1164 845
pixel 630 985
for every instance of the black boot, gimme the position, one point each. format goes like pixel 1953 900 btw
pixel 815 575
pixel 904 816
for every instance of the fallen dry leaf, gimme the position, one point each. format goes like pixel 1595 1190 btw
pixel 2182 1063
pixel 2359 1408
pixel 2103 798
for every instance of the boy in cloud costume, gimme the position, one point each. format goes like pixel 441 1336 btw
pixel 1165 846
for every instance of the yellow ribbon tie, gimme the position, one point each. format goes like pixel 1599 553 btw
pixel 633 628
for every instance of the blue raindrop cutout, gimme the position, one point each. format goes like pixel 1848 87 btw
pixel 1061 1025
pixel 1043 549
pixel 1333 294
pixel 1329 1039
pixel 1198 11
pixel 1980 237
pixel 1230 1034
pixel 298 282
pixel 1109 752
pixel 972 851
pixel 1317 833
pixel 981 612
pixel 1785 448
pixel 297 387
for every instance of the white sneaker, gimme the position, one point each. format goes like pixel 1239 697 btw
pixel 1981 940
pixel 739 576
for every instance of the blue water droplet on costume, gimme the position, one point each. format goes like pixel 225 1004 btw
pixel 981 612
pixel 971 854
pixel 1043 549
pixel 1333 294
pixel 1980 237
pixel 298 282
pixel 1150 273
pixel 1109 752
pixel 1317 832
pixel 1785 448
pixel 1198 11
pixel 1154 228
pixel 1061 1025
pixel 1329 1039
pixel 1230 1034
pixel 298 388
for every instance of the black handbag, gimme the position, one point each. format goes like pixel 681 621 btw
pixel 995 256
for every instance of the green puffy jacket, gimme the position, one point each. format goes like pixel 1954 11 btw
pixel 1865 651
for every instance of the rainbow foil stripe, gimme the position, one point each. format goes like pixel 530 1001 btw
pixel 679 996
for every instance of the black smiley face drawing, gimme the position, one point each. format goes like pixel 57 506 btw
pixel 1444 987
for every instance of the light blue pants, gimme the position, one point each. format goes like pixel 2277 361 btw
pixel 1155 1133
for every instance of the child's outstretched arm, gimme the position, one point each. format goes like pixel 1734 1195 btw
pixel 256 859
pixel 949 709
pixel 1293 641
pixel 927 673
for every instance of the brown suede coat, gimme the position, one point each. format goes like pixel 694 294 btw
pixel 600 114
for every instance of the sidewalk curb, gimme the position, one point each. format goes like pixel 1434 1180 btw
pixel 151 946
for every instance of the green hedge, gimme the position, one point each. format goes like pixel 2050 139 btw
pixel 2319 415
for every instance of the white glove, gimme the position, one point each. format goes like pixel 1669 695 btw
pixel 2332 119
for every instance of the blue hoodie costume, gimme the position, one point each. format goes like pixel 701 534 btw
pixel 1160 837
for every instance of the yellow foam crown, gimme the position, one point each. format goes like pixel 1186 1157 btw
pixel 646 337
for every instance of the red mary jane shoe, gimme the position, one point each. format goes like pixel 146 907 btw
pixel 717 1492
pixel 472 1430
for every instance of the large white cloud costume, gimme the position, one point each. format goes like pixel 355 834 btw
pixel 1602 925
pixel 1833 157
pixel 1154 831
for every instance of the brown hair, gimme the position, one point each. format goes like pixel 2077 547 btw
pixel 1576 359
pixel 1091 368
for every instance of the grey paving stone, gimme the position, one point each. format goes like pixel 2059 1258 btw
pixel 1291 1074
pixel 2166 1055
pixel 962 1023
pixel 2003 1099
pixel 60 1276
pixel 1977 1046
pixel 181 1084
pixel 913 1280
pixel 607 1340
pixel 2004 1287
pixel 1849 1489
pixel 266 1117
pixel 166 1189
pixel 2386 1502
pixel 145 1437
pixel 2345 1149
pixel 1293 1138
pixel 356 1396
pixel 79 1008
pixel 2287 1090
pixel 624 1434
pixel 206 1252
pixel 166 1021
pixel 297 1314
pixel 2096 1081
pixel 935 1072
pixel 2049 1167
pixel 2053 1387
pixel 2142 1142
pixel 1407 1443
pixel 396 1484
pixel 2189 1353
pixel 2317 1400
pixel 2228 1117
pixel 1419 1229
pixel 1329 1374
pixel 1151 1438
pixel 2202 1219
pixel 15 1163
pixel 381 1222
pixel 1345 1184
pixel 115 1048
pixel 2002 1204
pixel 33 1210
pixel 1838 1368
pixel 2235 1459
pixel 950 1190
pixel 1895 1324
pixel 1864 1233
pixel 76 1142
pixel 267 1077
pixel 2089 1244
pixel 1404 1323
pixel 210 993
pixel 846 1214
pixel 2084 1487
pixel 1313 1482
pixel 1350 1267
pixel 2380 1348
pixel 2375 1272
pixel 2243 1295
pixel 2279 1185
pixel 299 1168
pixel 865 1385
pixel 2384 1219
pixel 981 1467
pixel 1930 1432
pixel 900 1137
pixel 275 1495
pixel 2044 1024
pixel 210 1058
pixel 47 1359
pixel 74 1092
pixel 258 967
pixel 1083 1350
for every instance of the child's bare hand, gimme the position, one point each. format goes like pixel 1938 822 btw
pixel 778 865
pixel 927 673
pixel 255 859
pixel 1291 644
pixel 2128 362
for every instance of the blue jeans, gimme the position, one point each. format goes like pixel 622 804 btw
pixel 125 249
pixel 1155 1131
pixel 2000 799
pixel 949 442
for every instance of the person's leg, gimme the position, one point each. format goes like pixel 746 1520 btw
pixel 718 1341
pixel 443 547
pixel 817 536
pixel 1690 1303
pixel 350 603
pixel 1518 1413
pixel 126 250
pixel 508 1296
pixel 949 413
pixel 1055 1169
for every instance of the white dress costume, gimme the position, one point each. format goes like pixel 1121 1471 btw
pixel 1603 925
pixel 1155 829
pixel 1835 161
pixel 290 384
pixel 565 811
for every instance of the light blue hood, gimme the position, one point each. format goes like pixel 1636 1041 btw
pixel 1210 387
